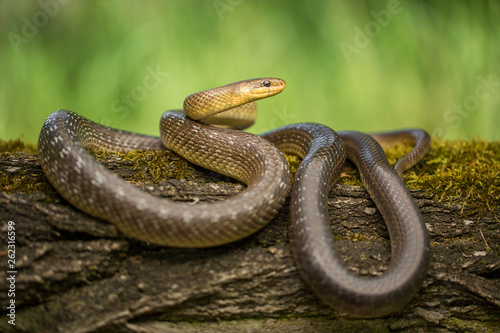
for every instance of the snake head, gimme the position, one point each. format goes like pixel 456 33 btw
pixel 263 87
pixel 207 103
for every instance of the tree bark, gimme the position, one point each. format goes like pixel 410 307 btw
pixel 76 273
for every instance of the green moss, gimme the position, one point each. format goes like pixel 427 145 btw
pixel 17 145
pixel 483 325
pixel 14 178
pixel 466 172
pixel 24 181
pixel 151 166
pixel 144 165
pixel 293 164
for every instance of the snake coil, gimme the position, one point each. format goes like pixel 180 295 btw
pixel 257 162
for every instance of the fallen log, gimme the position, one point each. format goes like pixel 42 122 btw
pixel 75 273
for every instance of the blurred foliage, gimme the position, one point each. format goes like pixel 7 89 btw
pixel 363 65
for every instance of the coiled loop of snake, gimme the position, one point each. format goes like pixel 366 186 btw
pixel 91 188
pixel 323 152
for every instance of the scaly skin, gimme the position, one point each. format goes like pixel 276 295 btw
pixel 258 163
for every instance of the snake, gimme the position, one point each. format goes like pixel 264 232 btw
pixel 200 134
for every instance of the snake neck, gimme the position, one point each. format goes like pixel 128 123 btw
pixel 203 104
pixel 211 102
pixel 229 152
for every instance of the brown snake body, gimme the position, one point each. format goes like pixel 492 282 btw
pixel 259 164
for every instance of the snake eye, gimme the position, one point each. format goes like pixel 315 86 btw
pixel 266 83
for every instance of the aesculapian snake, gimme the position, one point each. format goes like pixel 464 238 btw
pixel 257 162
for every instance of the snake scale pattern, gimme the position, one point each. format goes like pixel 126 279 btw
pixel 257 162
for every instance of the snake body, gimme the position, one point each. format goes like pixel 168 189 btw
pixel 93 189
pixel 323 152
pixel 257 162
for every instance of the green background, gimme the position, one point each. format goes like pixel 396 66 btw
pixel 359 65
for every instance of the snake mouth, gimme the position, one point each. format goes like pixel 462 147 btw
pixel 265 87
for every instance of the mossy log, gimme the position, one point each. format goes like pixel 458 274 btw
pixel 76 273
